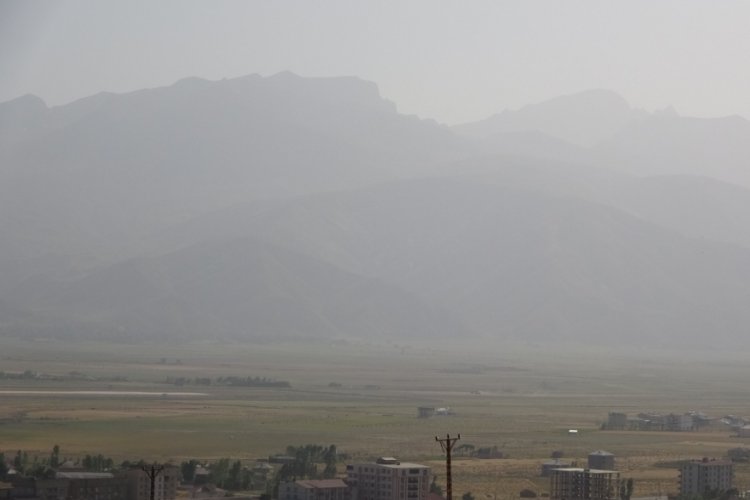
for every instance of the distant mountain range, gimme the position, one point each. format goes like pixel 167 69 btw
pixel 289 207
pixel 582 119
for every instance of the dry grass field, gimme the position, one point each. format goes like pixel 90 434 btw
pixel 363 398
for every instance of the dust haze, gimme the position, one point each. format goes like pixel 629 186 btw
pixel 276 222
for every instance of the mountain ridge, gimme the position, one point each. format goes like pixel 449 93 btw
pixel 264 204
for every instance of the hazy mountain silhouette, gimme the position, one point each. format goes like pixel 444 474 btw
pixel 241 289
pixel 694 206
pixel 517 264
pixel 583 119
pixel 600 128
pixel 93 177
pixel 288 206
pixel 669 145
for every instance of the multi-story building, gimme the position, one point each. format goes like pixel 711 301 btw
pixel 165 485
pixel 699 476
pixel 72 486
pixel 314 489
pixel 573 483
pixel 133 484
pixel 93 485
pixel 389 479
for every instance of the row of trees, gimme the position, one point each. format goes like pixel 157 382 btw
pixel 44 467
pixel 224 473
pixel 305 465
pixel 469 450
pixel 228 381
pixel 73 375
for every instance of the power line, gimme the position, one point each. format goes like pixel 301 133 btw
pixel 152 471
pixel 447 444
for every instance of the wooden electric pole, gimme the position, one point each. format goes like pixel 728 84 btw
pixel 447 444
pixel 152 471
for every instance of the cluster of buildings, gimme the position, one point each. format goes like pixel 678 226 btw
pixel 430 411
pixel 652 421
pixel 76 484
pixel 390 479
pixel 599 480
pixel 386 479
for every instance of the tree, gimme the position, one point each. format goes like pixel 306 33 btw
pixel 435 488
pixel 187 470
pixel 330 458
pixel 40 471
pixel 220 472
pixel 20 460
pixel 97 463
pixel 729 494
pixel 465 449
pixel 626 489
pixel 234 481
pixel 54 458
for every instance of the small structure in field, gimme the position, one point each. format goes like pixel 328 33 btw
pixel 616 421
pixel 425 411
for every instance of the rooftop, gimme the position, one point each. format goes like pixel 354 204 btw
pixel 321 483
pixel 588 471
pixel 395 465
pixel 406 465
pixel 84 475
pixel 708 463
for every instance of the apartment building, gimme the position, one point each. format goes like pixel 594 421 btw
pixel 699 476
pixel 389 479
pixel 573 483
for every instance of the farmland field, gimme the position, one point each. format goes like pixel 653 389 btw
pixel 141 401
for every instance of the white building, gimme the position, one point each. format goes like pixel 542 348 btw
pixel 389 479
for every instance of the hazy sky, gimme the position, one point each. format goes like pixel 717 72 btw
pixel 449 60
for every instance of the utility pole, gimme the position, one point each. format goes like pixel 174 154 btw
pixel 447 444
pixel 152 471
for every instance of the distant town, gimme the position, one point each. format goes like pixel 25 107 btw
pixel 314 472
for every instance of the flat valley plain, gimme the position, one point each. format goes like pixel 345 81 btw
pixel 99 397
